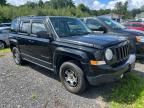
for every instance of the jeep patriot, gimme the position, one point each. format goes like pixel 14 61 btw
pixel 66 46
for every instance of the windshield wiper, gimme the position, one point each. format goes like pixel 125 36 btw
pixel 81 34
pixel 84 33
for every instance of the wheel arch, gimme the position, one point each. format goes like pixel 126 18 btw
pixel 4 43
pixel 62 55
pixel 13 43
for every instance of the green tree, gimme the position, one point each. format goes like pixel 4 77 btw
pixel 31 4
pixel 83 8
pixel 40 3
pixel 135 12
pixel 142 8
pixel 119 8
pixel 2 2
pixel 61 3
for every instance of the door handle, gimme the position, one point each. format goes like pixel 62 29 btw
pixel 31 41
pixel 18 38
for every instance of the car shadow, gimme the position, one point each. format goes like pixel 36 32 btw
pixel 125 91
pixel 43 71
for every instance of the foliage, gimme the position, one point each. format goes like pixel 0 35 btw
pixel 61 3
pixel 59 7
pixel 135 11
pixel 2 2
pixel 83 8
pixel 3 52
pixel 121 9
pixel 128 93
pixel 53 7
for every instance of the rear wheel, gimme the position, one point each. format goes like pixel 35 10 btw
pixel 2 45
pixel 16 55
pixel 72 77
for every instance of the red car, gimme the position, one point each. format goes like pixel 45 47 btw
pixel 135 25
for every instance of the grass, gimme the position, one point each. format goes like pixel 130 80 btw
pixel 34 96
pixel 128 93
pixel 4 51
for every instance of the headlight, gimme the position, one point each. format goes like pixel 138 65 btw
pixel 108 54
pixel 140 38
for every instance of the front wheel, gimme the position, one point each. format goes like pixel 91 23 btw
pixel 16 56
pixel 72 77
pixel 2 45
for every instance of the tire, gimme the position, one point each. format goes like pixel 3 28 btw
pixel 72 77
pixel 16 56
pixel 2 45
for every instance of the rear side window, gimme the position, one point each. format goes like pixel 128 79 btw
pixel 14 25
pixel 81 19
pixel 136 25
pixel 38 27
pixel 128 24
pixel 25 27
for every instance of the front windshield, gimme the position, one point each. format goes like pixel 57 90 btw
pixel 112 24
pixel 65 27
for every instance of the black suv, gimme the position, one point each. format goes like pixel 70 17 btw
pixel 105 25
pixel 66 46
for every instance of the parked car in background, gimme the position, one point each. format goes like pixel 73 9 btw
pixel 4 35
pixel 5 24
pixel 134 25
pixel 66 46
pixel 104 25
pixel 141 20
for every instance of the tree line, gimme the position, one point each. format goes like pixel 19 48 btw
pixel 60 8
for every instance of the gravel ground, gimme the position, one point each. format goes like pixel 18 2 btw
pixel 30 86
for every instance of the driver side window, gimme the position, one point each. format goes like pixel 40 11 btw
pixel 93 24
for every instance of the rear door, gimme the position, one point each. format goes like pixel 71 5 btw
pixel 23 37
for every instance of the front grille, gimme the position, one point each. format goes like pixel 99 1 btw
pixel 121 53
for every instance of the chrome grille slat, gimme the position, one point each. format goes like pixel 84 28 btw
pixel 121 52
pixel 123 48
pixel 125 54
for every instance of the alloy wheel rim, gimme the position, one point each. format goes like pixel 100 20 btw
pixel 16 56
pixel 1 45
pixel 71 78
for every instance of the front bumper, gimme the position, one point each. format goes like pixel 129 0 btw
pixel 109 74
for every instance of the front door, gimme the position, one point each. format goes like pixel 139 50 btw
pixel 41 48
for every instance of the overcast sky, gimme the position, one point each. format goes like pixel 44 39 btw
pixel 93 4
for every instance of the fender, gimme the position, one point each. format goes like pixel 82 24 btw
pixel 13 42
pixel 73 53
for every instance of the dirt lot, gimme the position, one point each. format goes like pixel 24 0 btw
pixel 31 86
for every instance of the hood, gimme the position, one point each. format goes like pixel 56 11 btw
pixel 130 32
pixel 97 41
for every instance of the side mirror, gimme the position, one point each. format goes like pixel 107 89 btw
pixel 102 29
pixel 44 35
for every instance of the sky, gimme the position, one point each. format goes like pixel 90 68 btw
pixel 93 4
